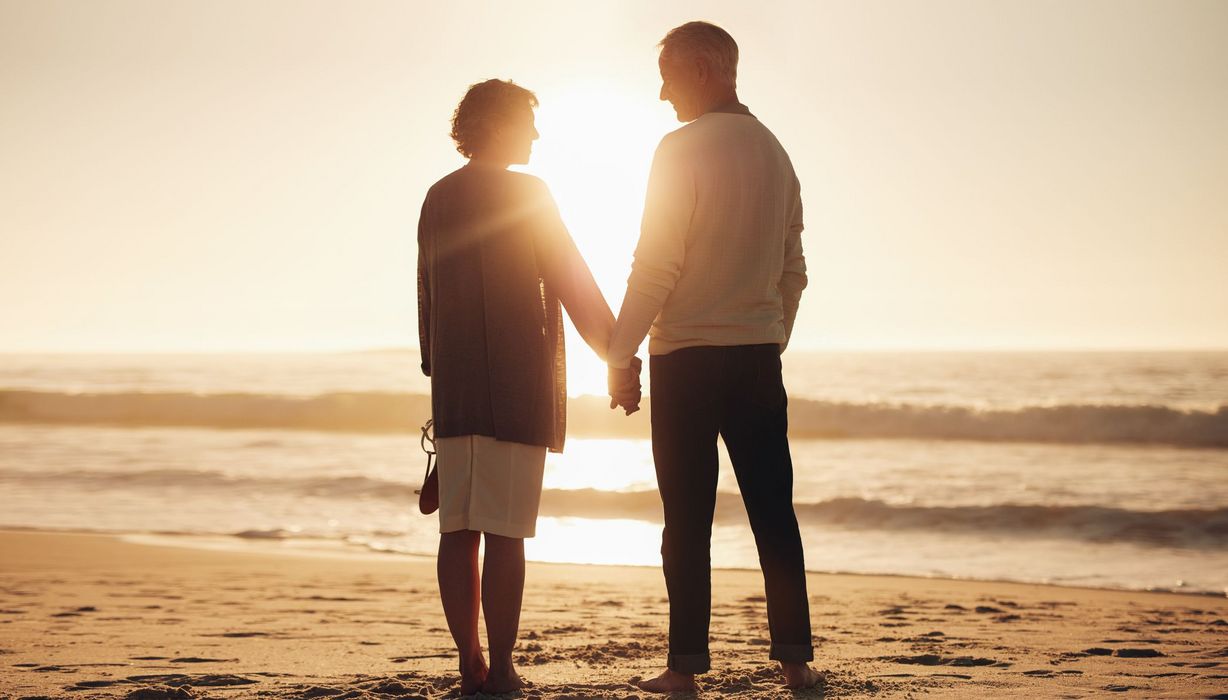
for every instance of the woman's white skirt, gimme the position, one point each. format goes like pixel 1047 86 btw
pixel 489 485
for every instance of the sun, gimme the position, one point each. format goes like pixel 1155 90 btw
pixel 594 153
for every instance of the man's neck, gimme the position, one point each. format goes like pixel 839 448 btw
pixel 720 100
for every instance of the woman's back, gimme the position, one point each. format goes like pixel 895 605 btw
pixel 491 331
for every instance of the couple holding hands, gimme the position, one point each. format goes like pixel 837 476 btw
pixel 716 280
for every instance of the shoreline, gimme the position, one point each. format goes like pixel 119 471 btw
pixel 338 549
pixel 96 616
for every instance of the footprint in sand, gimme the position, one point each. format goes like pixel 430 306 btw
pixel 76 612
pixel 179 679
pixel 160 692
pixel 936 660
pixel 1139 653
pixel 89 685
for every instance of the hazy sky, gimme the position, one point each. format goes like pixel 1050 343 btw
pixel 205 175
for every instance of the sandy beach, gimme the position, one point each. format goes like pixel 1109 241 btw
pixel 88 616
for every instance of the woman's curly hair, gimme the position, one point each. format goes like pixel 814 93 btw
pixel 484 106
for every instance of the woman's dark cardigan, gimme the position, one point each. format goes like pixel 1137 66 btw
pixel 494 263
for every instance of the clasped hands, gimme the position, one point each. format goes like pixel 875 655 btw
pixel 624 386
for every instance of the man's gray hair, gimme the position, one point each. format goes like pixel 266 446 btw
pixel 707 41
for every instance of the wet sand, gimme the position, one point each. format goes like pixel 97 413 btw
pixel 94 616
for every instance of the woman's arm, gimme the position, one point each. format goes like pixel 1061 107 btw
pixel 424 294
pixel 565 271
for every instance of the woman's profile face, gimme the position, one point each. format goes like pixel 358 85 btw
pixel 515 137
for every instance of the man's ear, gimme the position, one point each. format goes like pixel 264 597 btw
pixel 701 71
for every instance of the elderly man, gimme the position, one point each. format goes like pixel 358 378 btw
pixel 717 276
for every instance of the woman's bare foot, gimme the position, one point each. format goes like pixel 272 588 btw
pixel 473 675
pixel 799 676
pixel 669 681
pixel 498 682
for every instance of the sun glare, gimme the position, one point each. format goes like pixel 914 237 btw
pixel 594 153
pixel 595 541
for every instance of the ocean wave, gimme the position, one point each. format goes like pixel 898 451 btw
pixel 1196 528
pixel 1071 423
pixel 377 412
pixel 590 417
pixel 1180 527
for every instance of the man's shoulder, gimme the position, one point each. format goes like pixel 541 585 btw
pixel 687 140
pixel 719 133
pixel 717 127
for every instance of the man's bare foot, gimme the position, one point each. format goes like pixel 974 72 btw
pixel 498 682
pixel 799 676
pixel 669 681
pixel 473 675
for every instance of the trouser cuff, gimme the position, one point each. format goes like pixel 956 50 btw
pixel 792 653
pixel 690 663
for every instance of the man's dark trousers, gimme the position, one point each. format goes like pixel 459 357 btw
pixel 737 393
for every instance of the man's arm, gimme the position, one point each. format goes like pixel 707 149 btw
pixel 793 277
pixel 659 254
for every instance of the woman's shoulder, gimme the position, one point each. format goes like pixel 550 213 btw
pixel 470 176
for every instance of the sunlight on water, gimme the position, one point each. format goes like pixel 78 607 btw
pixel 581 540
pixel 605 465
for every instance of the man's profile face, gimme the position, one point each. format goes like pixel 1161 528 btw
pixel 680 84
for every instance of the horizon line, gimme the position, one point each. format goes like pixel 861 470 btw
pixel 815 350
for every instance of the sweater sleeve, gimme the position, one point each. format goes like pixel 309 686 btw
pixel 668 207
pixel 793 276
pixel 424 294
pixel 564 269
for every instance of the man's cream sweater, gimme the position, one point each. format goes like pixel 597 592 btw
pixel 719 260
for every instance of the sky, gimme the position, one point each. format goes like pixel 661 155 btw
pixel 226 176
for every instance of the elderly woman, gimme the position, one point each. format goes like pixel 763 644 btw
pixel 494 263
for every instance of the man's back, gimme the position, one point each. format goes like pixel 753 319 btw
pixel 720 253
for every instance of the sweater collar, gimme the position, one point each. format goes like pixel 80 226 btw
pixel 733 107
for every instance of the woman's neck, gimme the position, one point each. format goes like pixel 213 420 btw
pixel 488 161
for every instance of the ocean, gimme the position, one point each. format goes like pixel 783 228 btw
pixel 1088 469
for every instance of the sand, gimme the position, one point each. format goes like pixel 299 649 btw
pixel 94 616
